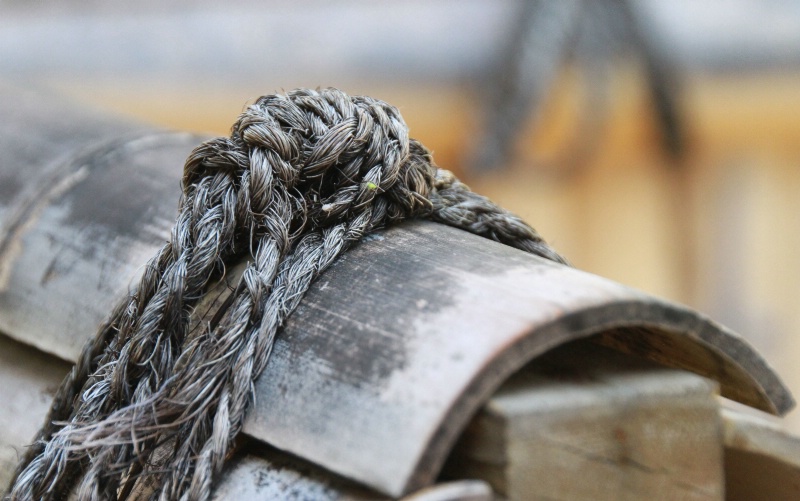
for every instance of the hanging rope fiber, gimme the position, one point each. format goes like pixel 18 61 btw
pixel 153 408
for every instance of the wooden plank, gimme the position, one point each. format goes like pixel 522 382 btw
pixel 762 459
pixel 270 474
pixel 587 423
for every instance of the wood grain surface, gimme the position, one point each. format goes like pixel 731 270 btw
pixel 762 460
pixel 583 422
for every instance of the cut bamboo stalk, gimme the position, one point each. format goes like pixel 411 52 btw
pixel 391 352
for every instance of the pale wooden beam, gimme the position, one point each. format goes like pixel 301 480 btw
pixel 588 423
pixel 762 459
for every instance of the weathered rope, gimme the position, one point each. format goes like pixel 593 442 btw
pixel 302 177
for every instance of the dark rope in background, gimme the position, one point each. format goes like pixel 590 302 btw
pixel 148 407
pixel 591 35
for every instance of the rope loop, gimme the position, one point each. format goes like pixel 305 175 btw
pixel 153 409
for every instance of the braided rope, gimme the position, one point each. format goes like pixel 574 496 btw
pixel 302 177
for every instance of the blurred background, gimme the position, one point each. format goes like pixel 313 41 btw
pixel 653 142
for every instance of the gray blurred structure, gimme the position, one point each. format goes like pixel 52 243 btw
pixel 281 41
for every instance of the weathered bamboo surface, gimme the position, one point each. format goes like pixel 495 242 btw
pixel 410 332
pixel 391 352
pixel 85 199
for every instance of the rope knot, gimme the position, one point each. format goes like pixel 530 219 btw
pixel 302 176
pixel 344 154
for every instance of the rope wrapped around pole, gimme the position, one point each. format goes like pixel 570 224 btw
pixel 153 409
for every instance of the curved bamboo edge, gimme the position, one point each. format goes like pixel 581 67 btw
pixel 636 328
pixel 514 306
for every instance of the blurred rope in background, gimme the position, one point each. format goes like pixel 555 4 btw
pixel 590 35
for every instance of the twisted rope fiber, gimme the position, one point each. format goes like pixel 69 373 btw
pixel 152 407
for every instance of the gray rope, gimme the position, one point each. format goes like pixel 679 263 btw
pixel 150 407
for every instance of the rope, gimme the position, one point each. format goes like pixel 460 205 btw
pixel 150 407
